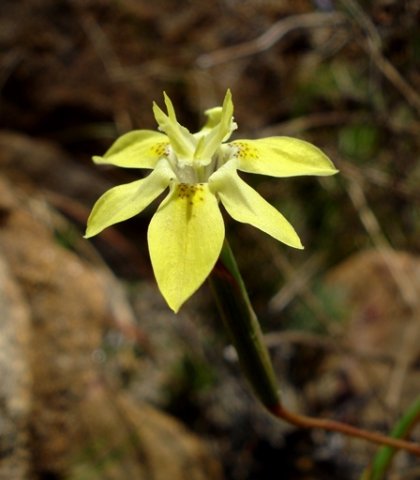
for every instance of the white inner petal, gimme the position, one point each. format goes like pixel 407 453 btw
pixel 195 172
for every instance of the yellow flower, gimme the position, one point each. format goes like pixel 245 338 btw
pixel 186 233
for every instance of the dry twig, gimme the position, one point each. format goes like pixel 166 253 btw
pixel 406 290
pixel 373 46
pixel 272 36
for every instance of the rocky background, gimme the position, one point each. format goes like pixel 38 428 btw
pixel 98 379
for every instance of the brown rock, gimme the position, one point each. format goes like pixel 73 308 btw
pixel 122 436
pixel 371 287
pixel 378 294
pixel 45 166
pixel 82 426
pixel 15 387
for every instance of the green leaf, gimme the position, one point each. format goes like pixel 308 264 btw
pixel 383 459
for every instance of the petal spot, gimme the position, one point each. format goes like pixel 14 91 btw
pixel 245 150
pixel 160 149
pixel 191 193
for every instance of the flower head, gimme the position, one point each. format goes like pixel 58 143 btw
pixel 186 233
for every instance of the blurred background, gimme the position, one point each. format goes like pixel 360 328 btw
pixel 99 380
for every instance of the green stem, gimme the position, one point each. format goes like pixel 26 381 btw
pixel 245 332
pixel 242 324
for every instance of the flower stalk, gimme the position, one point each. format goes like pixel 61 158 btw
pixel 244 329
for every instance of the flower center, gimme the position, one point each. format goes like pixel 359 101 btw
pixel 194 173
